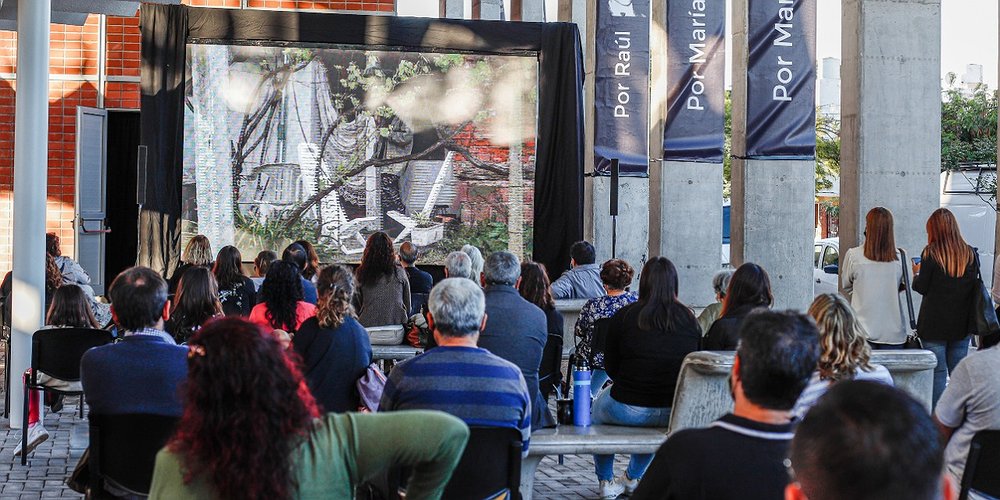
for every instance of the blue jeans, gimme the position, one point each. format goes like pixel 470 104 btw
pixel 608 411
pixel 597 381
pixel 948 354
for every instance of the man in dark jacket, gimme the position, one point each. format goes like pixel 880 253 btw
pixel 515 328
pixel 420 281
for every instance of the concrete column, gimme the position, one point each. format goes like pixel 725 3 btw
pixel 31 133
pixel 633 220
pixel 891 117
pixel 771 220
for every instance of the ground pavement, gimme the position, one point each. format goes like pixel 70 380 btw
pixel 52 462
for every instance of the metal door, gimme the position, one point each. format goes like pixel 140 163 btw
pixel 91 198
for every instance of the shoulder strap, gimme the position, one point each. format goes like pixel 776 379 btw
pixel 906 287
pixel 975 255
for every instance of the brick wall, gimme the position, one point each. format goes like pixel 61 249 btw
pixel 75 66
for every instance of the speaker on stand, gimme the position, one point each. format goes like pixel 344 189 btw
pixel 614 207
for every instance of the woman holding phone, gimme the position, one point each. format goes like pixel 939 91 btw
pixel 872 275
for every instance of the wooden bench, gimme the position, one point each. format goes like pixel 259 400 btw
pixel 596 439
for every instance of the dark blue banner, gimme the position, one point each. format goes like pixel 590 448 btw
pixel 696 70
pixel 781 79
pixel 621 87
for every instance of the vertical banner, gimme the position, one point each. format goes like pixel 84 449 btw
pixel 781 79
pixel 696 59
pixel 621 87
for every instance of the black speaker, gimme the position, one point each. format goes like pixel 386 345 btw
pixel 140 175
pixel 614 186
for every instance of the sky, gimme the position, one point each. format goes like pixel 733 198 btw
pixel 968 31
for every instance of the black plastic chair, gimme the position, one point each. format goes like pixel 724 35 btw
pixel 123 451
pixel 57 352
pixel 599 339
pixel 982 465
pixel 490 465
pixel 550 371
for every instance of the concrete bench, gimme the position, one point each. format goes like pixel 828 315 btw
pixel 596 439
pixel 394 352
pixel 703 385
pixel 570 310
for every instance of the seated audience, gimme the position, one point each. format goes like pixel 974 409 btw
pixel 383 288
pixel 867 441
pixel 237 293
pixel 297 256
pixel 616 274
pixel 260 266
pixel 749 289
pixel 281 304
pixel 720 282
pixel 516 330
pixel 269 439
pixel 334 347
pixel 143 372
pixel 53 280
pixel 458 377
pixel 196 302
pixel 312 267
pixel 534 286
pixel 583 280
pixel 459 265
pixel 70 309
pixel 647 343
pixel 741 455
pixel 844 351
pixel 476 260
pixel 420 281
pixel 198 252
pixel 74 274
pixel 970 403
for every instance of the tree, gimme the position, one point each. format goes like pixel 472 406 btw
pixel 968 126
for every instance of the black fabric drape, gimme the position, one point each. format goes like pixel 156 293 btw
pixel 558 211
pixel 164 37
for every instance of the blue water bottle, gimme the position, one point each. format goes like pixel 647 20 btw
pixel 581 393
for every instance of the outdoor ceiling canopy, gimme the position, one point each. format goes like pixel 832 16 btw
pixel 74 12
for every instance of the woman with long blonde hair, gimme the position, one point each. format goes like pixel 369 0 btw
pixel 871 275
pixel 946 276
pixel 844 350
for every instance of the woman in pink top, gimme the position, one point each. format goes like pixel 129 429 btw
pixel 281 306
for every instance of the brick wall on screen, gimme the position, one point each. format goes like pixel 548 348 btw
pixel 74 67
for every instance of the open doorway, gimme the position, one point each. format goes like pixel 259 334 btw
pixel 122 211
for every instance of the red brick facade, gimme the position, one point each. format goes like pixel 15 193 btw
pixel 75 66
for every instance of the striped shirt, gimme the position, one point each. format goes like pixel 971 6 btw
pixel 468 382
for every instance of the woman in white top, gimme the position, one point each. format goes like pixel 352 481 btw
pixel 844 352
pixel 871 275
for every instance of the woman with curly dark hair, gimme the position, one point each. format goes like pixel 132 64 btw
pixel 281 306
pixel 236 291
pixel 749 289
pixel 196 302
pixel 311 270
pixel 616 275
pixel 383 287
pixel 263 436
pixel 536 288
pixel 334 347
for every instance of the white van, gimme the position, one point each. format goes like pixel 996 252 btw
pixel 966 192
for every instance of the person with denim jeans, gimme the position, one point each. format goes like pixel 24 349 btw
pixel 646 345
pixel 947 277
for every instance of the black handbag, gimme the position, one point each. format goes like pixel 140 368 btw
pixel 912 340
pixel 982 316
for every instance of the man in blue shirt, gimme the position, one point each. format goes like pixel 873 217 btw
pixel 457 377
pixel 583 280
pixel 420 281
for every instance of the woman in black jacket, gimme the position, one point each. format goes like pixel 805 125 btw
pixel 236 291
pixel 646 345
pixel 334 347
pixel 749 288
pixel 946 277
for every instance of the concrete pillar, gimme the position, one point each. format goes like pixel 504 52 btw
pixel 771 220
pixel 891 117
pixel 31 132
pixel 633 220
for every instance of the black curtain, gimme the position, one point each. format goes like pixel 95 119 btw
pixel 559 151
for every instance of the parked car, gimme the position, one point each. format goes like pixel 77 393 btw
pixel 826 264
pixel 968 193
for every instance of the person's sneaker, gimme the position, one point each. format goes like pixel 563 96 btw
pixel 611 489
pixel 36 436
pixel 629 483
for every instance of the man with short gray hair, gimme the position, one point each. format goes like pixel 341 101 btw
pixel 458 265
pixel 517 329
pixel 457 377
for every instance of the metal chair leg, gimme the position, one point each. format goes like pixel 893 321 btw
pixel 24 424
pixel 81 405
